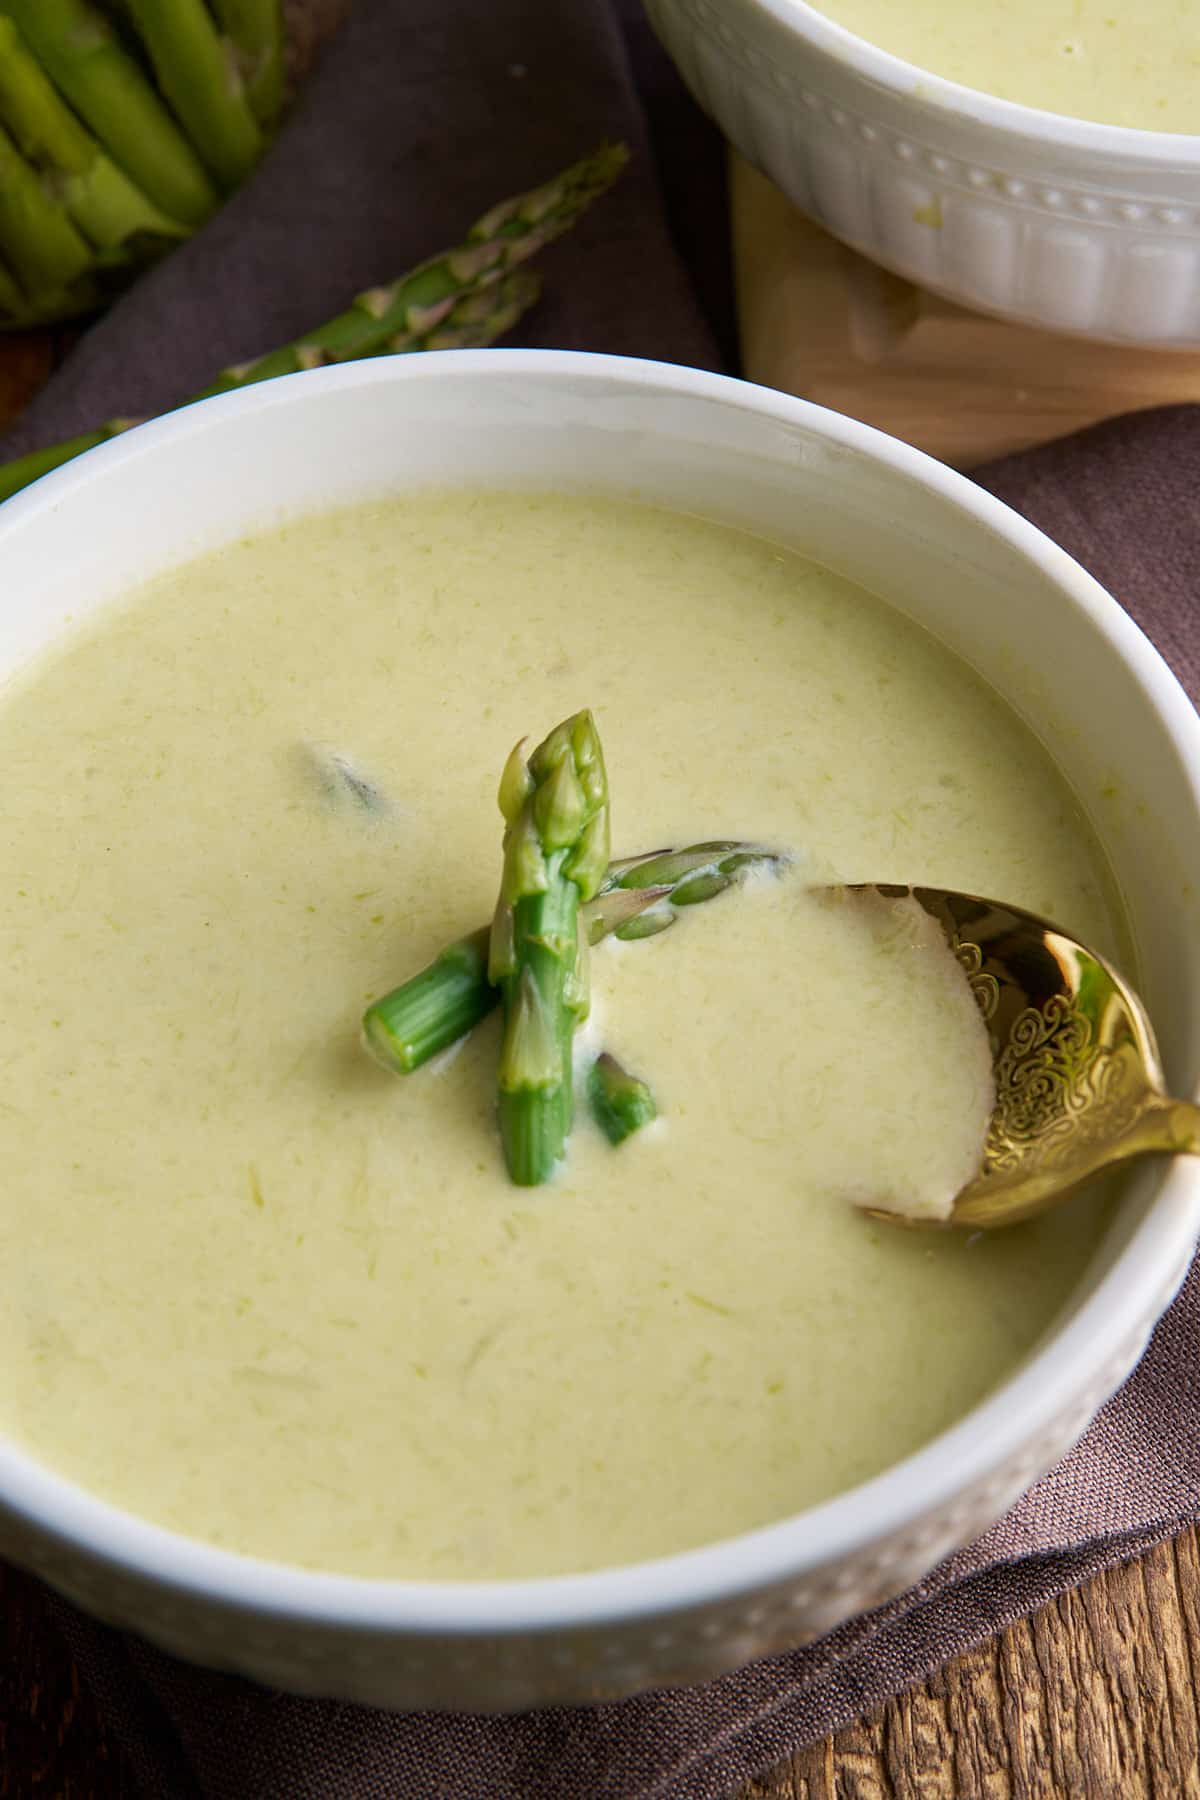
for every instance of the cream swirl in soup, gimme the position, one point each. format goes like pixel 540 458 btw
pixel 1122 62
pixel 266 1294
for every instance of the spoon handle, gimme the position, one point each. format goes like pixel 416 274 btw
pixel 1170 1126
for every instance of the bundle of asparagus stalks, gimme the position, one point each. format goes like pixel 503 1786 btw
pixel 464 298
pixel 123 126
pixel 559 894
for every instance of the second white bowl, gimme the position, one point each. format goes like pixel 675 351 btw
pixel 1047 220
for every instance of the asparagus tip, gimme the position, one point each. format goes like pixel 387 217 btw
pixel 621 1103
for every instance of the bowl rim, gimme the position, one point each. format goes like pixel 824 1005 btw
pixel 1060 1375
pixel 908 81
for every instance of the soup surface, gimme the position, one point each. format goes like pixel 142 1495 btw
pixel 265 1293
pixel 1123 62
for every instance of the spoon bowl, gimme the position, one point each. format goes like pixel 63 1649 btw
pixel 1078 1082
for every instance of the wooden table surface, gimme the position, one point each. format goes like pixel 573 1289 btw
pixel 1094 1698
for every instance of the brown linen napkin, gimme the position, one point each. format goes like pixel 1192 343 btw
pixel 417 120
pixel 420 115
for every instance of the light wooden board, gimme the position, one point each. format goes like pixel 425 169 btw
pixel 821 321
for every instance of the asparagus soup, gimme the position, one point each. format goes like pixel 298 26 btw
pixel 1122 62
pixel 266 1293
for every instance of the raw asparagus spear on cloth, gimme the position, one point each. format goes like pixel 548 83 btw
pixel 638 896
pixel 463 299
pixel 252 28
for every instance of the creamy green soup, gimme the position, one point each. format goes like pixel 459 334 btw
pixel 259 1290
pixel 1123 62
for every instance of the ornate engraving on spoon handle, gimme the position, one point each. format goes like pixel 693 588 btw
pixel 985 987
pixel 1061 1092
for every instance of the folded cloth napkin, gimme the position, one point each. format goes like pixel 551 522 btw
pixel 423 113
pixel 420 116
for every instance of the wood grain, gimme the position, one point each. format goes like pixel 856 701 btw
pixel 1094 1698
pixel 53 1745
pixel 820 321
pixel 26 359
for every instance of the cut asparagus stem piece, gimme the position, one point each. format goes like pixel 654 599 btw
pixel 82 55
pixel 620 901
pixel 621 1103
pixel 555 856
pixel 254 29
pixel 472 325
pixel 202 84
pixel 434 1009
pixel 100 198
pixel 37 240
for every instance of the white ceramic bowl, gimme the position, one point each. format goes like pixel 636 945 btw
pixel 989 586
pixel 1048 220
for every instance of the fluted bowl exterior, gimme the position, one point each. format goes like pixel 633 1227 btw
pixel 956 561
pixel 1041 219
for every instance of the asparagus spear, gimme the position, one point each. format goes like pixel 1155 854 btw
pixel 621 1103
pixel 478 319
pixel 474 323
pixel 434 1008
pixel 687 877
pixel 555 807
pixel 254 28
pixel 40 245
pixel 380 319
pixel 203 85
pixel 99 197
pixel 80 52
pixel 437 306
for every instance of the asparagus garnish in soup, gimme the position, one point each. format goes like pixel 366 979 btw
pixel 621 1102
pixel 637 898
pixel 555 854
pixel 264 1296
pixel 433 1009
pixel 558 895
pixel 684 878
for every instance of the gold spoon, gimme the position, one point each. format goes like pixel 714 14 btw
pixel 1079 1085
